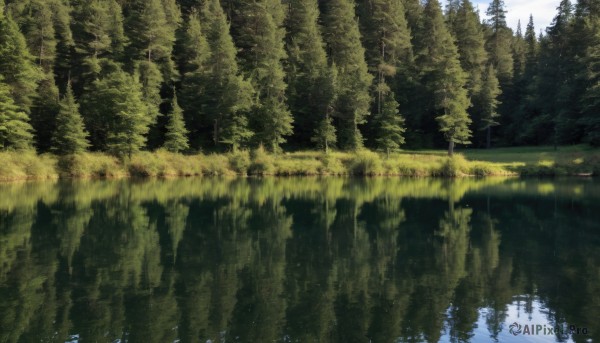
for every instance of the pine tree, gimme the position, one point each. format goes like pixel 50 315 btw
pixel 15 131
pixel 70 136
pixel 468 32
pixel 16 63
pixel 343 40
pixel 390 124
pixel 229 97
pixel 591 99
pixel 176 135
pixel 387 43
pixel 518 52
pixel 325 134
pixel 498 42
pixel 490 92
pixel 99 36
pixel 443 77
pixel 116 114
pixel 307 70
pixel 260 38
pixel 195 70
pixel 151 27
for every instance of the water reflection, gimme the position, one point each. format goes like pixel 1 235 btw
pixel 298 260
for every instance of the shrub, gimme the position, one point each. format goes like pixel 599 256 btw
pixel 453 166
pixel 331 165
pixel 262 162
pixel 366 163
pixel 90 165
pixel 239 161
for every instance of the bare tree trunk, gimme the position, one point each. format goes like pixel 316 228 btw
pixel 451 149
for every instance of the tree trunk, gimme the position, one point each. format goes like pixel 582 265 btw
pixel 451 149
pixel 216 132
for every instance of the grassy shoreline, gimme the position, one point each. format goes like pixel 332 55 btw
pixel 542 161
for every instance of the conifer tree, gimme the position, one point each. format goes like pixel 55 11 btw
pixel 324 135
pixel 307 71
pixel 99 36
pixel 229 98
pixel 116 114
pixel 518 51
pixel 468 32
pixel 443 77
pixel 343 40
pixel 16 63
pixel 387 43
pixel 591 99
pixel 176 135
pixel 151 27
pixel 70 136
pixel 390 124
pixel 260 38
pixel 490 91
pixel 498 42
pixel 15 131
pixel 195 71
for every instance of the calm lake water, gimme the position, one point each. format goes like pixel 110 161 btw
pixel 300 260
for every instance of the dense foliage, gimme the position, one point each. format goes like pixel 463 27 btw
pixel 293 74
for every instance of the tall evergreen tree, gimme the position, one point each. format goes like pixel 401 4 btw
pixel 151 26
pixel 260 38
pixel 70 136
pixel 16 63
pixel 388 45
pixel 468 31
pixel 99 36
pixel 310 90
pixel 116 114
pixel 229 98
pixel 490 91
pixel 499 41
pixel 390 125
pixel 195 71
pixel 346 51
pixel 15 131
pixel 443 77
pixel 176 136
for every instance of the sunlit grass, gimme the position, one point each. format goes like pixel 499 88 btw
pixel 529 161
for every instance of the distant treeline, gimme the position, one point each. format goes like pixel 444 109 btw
pixel 188 75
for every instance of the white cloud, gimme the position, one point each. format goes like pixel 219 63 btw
pixel 543 12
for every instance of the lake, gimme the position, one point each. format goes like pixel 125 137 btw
pixel 300 260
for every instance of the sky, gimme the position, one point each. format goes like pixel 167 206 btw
pixel 543 12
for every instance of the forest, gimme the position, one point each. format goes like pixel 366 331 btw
pixel 120 76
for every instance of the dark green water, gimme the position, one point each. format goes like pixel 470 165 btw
pixel 300 260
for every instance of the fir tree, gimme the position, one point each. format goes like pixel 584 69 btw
pixel 444 78
pixel 325 134
pixel 499 41
pixel 390 124
pixel 16 63
pixel 388 45
pixel 196 71
pixel 346 51
pixel 260 37
pixel 176 135
pixel 70 136
pixel 15 131
pixel 151 30
pixel 99 36
pixel 590 119
pixel 307 70
pixel 116 114
pixel 490 92
pixel 229 97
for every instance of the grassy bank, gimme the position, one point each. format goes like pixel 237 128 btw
pixel 541 161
